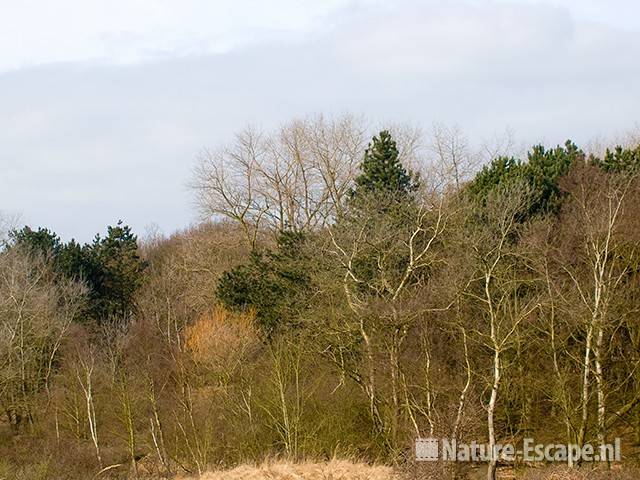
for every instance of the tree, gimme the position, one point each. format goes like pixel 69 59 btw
pixel 36 310
pixel 381 252
pixel 544 169
pixel 42 241
pixel 295 178
pixel 497 286
pixel 382 172
pixel 603 259
pixel 274 283
pixel 541 172
pixel 454 161
pixel 500 171
pixel 7 225
pixel 114 270
pixel 110 266
pixel 67 259
pixel 620 159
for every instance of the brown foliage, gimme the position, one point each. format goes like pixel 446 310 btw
pixel 221 335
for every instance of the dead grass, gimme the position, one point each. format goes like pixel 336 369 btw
pixel 333 470
pixel 617 472
pixel 349 470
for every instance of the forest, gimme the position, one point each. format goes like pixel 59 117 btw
pixel 348 290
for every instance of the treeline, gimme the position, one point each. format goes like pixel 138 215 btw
pixel 345 296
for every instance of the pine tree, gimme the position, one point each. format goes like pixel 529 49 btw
pixel 382 204
pixel 36 242
pixel 382 172
pixel 274 283
pixel 111 267
pixel 544 168
pixel 542 171
pixel 115 272
pixel 620 160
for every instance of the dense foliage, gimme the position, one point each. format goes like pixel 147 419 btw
pixel 541 171
pixel 276 284
pixel 111 267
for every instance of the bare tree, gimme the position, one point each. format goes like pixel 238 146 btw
pixel 295 178
pixel 401 248
pixel 85 374
pixel 599 201
pixel 454 159
pixel 498 273
pixel 36 310
pixel 226 183
pixel 7 223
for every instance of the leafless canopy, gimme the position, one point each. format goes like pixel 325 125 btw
pixel 296 178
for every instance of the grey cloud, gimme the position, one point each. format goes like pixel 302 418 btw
pixel 85 144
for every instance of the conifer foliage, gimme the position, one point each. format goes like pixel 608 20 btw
pixel 541 171
pixel 275 284
pixel 382 171
pixel 110 266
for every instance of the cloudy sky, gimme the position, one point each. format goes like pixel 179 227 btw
pixel 104 105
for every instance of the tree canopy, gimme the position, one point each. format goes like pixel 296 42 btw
pixel 382 173
pixel 111 267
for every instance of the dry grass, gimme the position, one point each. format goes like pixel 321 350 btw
pixel 598 472
pixel 333 470
pixel 348 470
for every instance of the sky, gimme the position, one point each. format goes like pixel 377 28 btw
pixel 106 105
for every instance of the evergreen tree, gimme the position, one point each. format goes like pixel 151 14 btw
pixel 276 284
pixel 36 242
pixel 382 171
pixel 501 170
pixel 114 270
pixel 620 160
pixel 382 205
pixel 541 171
pixel 110 267
pixel 71 261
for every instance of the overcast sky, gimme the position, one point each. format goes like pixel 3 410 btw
pixel 104 105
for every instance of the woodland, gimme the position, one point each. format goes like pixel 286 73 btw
pixel 347 291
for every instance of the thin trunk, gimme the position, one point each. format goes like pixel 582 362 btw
pixel 393 359
pixel 87 387
pixel 371 381
pixel 429 399
pixel 586 368
pixel 465 389
pixel 157 431
pixel 561 380
pixel 491 408
pixel 131 434
pixel 600 388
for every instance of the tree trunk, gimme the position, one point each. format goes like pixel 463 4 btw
pixel 491 408
pixel 586 365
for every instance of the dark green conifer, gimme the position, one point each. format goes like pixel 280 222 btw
pixel 382 171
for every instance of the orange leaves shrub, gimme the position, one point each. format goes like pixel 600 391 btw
pixel 221 336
